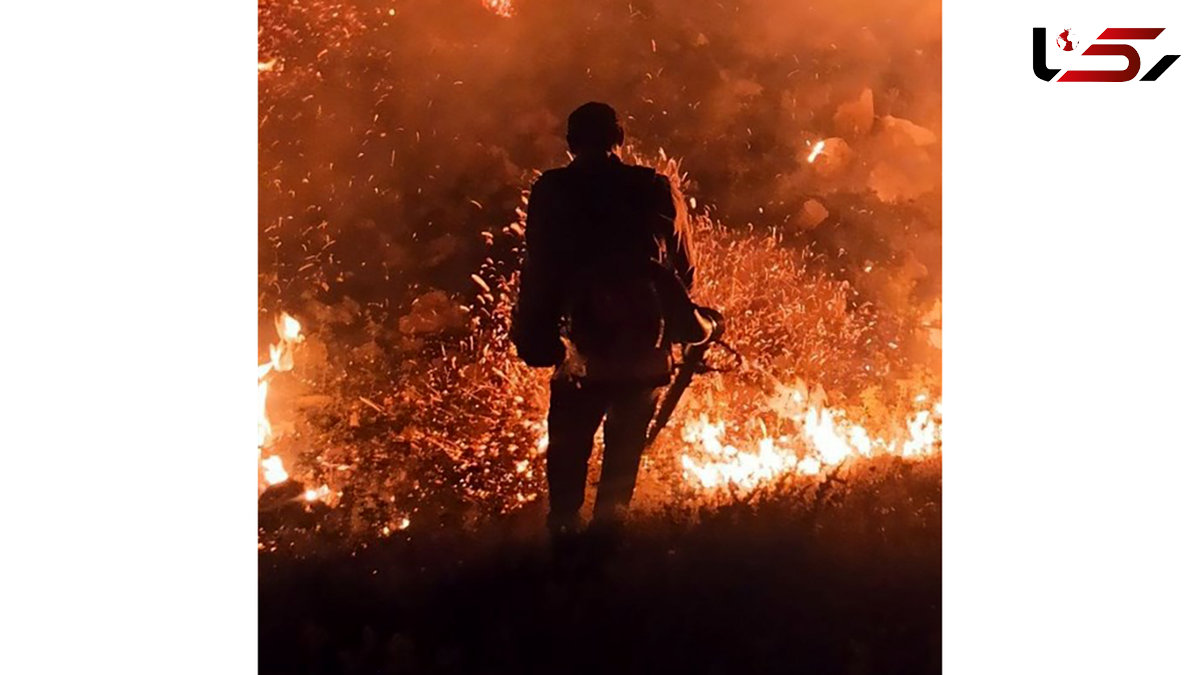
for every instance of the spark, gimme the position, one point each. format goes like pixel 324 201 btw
pixel 817 149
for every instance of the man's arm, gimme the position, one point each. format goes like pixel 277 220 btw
pixel 537 229
pixel 535 320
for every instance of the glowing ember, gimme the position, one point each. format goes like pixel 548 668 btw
pixel 319 493
pixel 502 8
pixel 812 156
pixel 266 66
pixel 402 525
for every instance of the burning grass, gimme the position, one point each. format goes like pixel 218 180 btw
pixel 431 421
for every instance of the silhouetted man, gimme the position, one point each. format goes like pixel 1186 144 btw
pixel 600 237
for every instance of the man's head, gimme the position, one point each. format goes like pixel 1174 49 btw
pixel 594 129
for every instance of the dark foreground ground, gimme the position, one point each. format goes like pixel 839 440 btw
pixel 841 578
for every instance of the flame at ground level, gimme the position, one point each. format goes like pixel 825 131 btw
pixel 823 438
pixel 288 330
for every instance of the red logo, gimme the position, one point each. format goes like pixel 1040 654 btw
pixel 1067 41
pixel 1064 41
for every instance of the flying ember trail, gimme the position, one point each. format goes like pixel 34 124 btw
pixel 817 148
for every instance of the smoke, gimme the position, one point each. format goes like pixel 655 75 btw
pixel 393 133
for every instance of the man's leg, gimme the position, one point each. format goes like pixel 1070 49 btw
pixel 629 415
pixel 575 413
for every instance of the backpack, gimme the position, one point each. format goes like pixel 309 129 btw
pixel 614 310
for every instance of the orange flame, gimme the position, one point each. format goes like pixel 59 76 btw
pixel 273 471
pixel 826 439
pixel 264 423
pixel 288 330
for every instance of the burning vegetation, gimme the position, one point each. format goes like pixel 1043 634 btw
pixel 397 140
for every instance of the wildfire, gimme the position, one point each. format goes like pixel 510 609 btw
pixel 288 330
pixel 502 8
pixel 463 424
pixel 825 438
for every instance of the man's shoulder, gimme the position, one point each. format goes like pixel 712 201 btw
pixel 555 174
pixel 646 177
pixel 555 180
pixel 551 176
pixel 643 172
